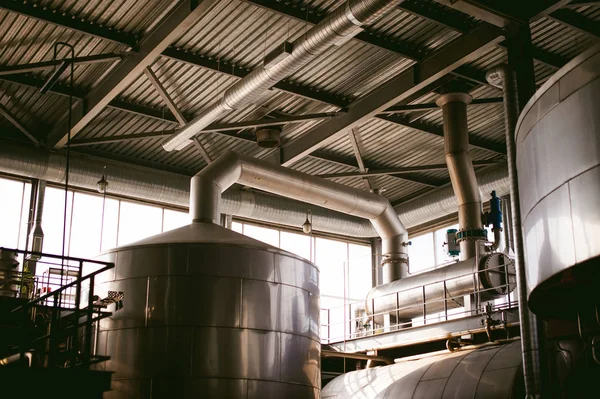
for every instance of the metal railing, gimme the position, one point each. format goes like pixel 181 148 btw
pixel 58 296
pixel 352 320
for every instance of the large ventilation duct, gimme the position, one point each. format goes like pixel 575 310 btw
pixel 462 173
pixel 171 188
pixel 503 77
pixel 230 168
pixel 337 28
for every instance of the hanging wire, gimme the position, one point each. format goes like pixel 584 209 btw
pixel 103 205
pixel 67 165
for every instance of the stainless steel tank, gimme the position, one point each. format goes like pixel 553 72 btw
pixel 210 313
pixel 558 163
pixel 492 277
pixel 488 372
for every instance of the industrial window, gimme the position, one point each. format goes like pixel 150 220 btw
pixel 175 219
pixel 53 220
pixel 138 221
pixel 298 244
pixel 266 235
pixel 345 268
pixel 86 226
pixel 14 209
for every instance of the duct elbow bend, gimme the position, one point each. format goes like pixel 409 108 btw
pixel 208 184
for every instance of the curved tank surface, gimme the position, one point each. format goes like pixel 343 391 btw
pixel 558 163
pixel 487 372
pixel 210 313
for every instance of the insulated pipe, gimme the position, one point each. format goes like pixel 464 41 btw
pixel 404 298
pixel 170 188
pixel 173 189
pixel 462 173
pixel 230 168
pixel 339 26
pixel 504 77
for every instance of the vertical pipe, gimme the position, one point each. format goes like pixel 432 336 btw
pixel 503 76
pixel 462 173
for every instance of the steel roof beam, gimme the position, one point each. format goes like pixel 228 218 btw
pixel 169 29
pixel 484 144
pixel 353 136
pixel 434 106
pixel 576 21
pixel 45 65
pixel 500 16
pixel 402 48
pixel 401 170
pixel 162 92
pixel 18 124
pixel 63 90
pixel 302 14
pixel 202 150
pixel 460 22
pixel 232 70
pixel 581 3
pixel 214 128
pixel 416 79
pixel 56 17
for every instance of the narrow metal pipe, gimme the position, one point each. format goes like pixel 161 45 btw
pixel 37 233
pixel 41 195
pixel 504 77
pixel 460 167
pixel 230 168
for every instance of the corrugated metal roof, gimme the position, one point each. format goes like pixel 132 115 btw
pixel 557 38
pixel 131 16
pixel 239 33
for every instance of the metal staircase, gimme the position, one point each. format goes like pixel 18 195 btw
pixel 49 325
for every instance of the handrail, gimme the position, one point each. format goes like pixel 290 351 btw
pixel 58 331
pixel 478 289
pixel 53 256
pixel 64 287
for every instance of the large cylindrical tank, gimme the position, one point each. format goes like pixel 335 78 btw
pixel 210 313
pixel 558 163
pixel 488 372
pixel 444 288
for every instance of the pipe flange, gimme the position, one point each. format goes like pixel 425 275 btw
pixel 498 273
pixel 453 97
pixel 394 261
pixel 471 234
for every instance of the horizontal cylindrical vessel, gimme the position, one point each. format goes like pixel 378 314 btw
pixel 210 313
pixel 488 372
pixel 558 164
pixel 493 277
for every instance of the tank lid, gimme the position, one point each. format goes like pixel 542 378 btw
pixel 202 233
